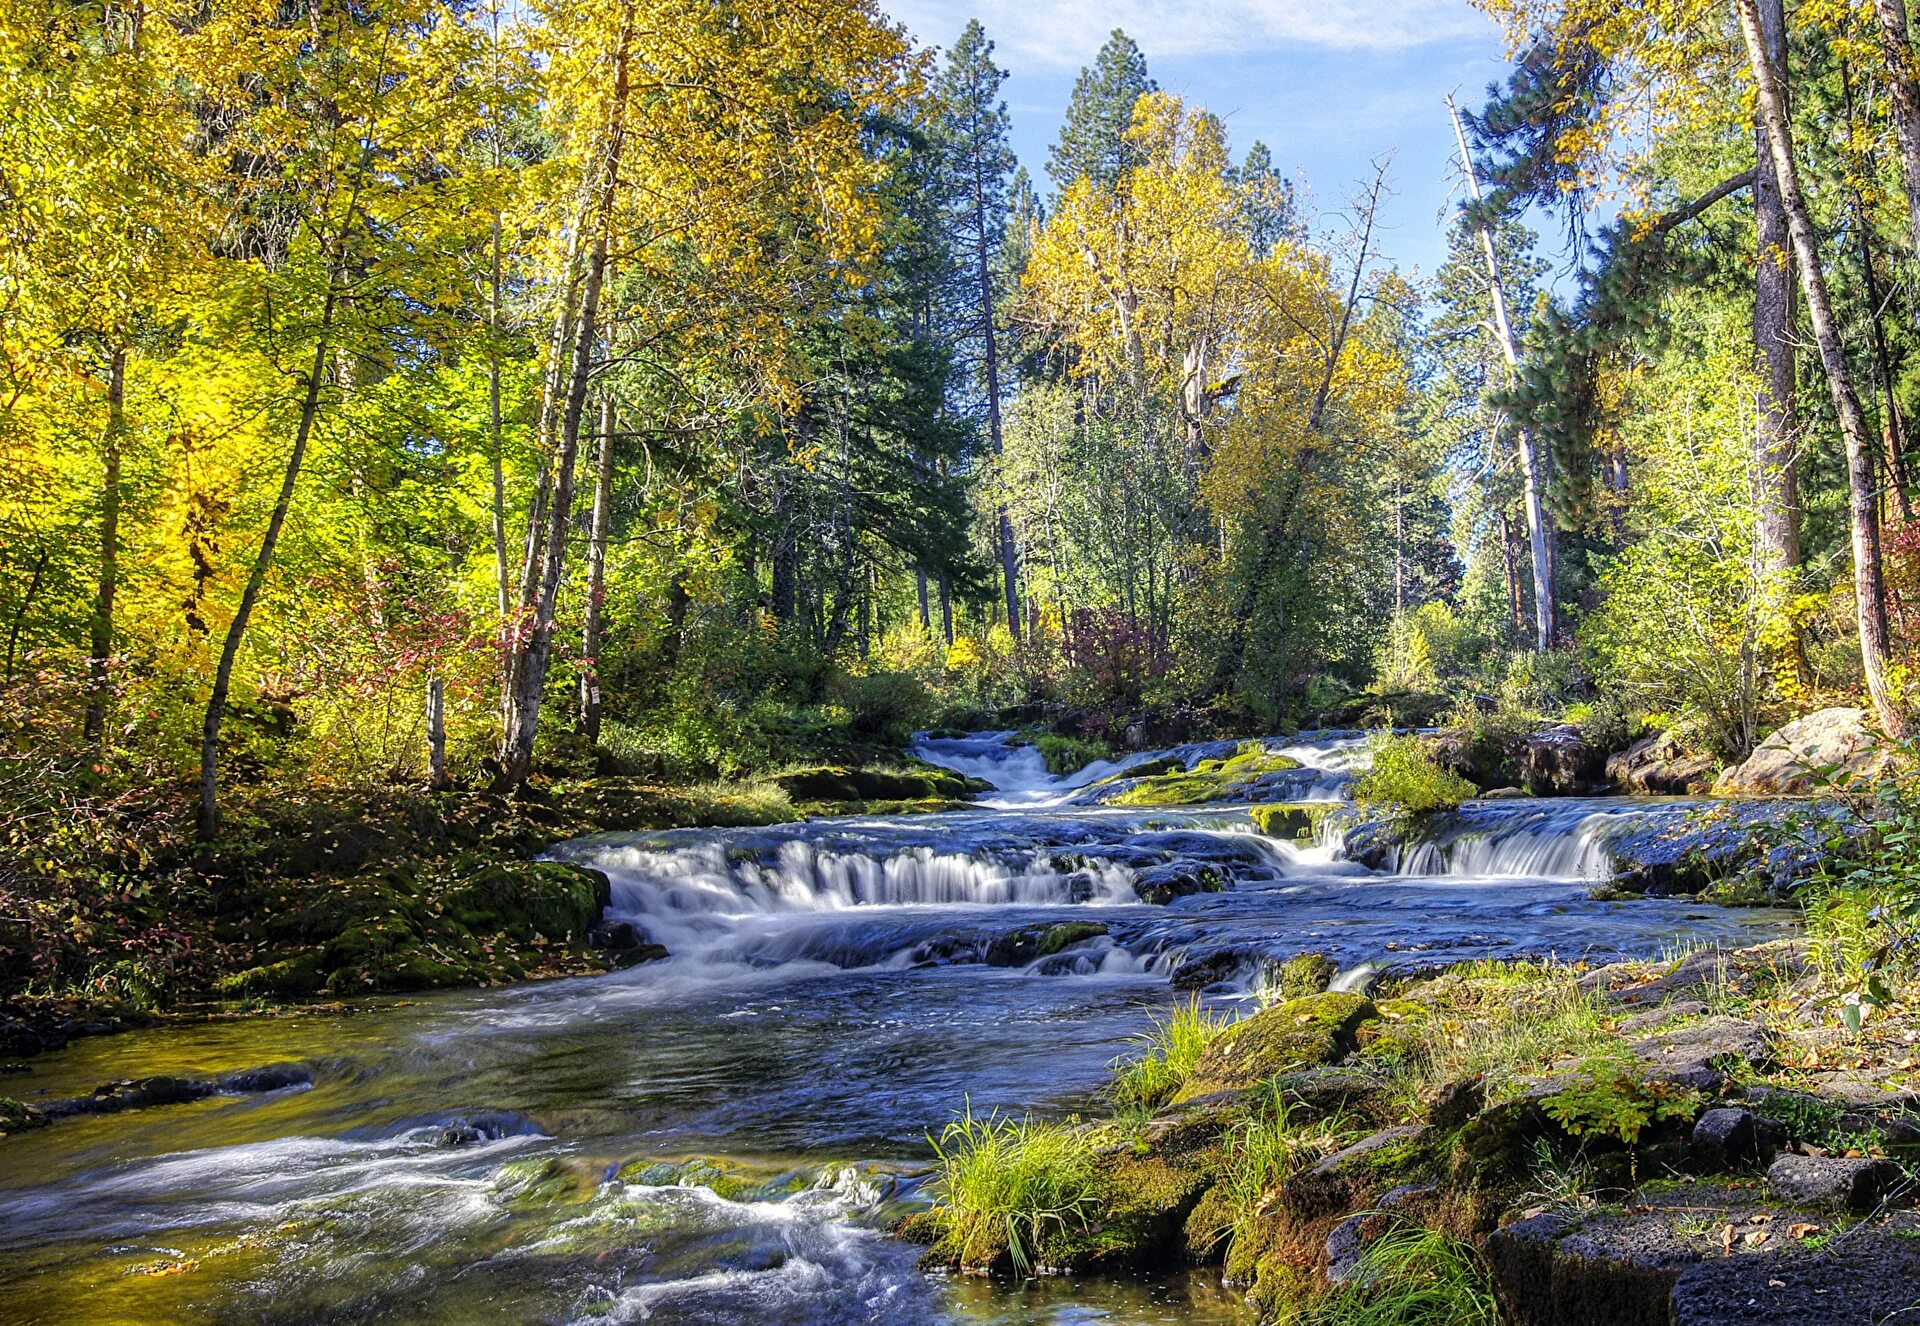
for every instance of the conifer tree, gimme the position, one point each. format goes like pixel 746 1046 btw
pixel 1093 140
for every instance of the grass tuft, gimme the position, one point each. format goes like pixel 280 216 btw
pixel 1009 1181
pixel 1411 1277
pixel 1173 1047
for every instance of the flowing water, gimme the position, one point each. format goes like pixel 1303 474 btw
pixel 722 1136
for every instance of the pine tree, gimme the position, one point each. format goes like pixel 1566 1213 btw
pixel 1267 199
pixel 973 131
pixel 1093 140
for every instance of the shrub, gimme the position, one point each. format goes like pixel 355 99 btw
pixel 1010 1181
pixel 1405 777
pixel 1174 1046
pixel 1065 755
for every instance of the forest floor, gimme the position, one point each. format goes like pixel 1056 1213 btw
pixel 325 895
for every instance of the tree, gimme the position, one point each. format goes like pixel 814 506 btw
pixel 976 164
pixel 1863 514
pixel 1093 141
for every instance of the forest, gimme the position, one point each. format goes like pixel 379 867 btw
pixel 435 430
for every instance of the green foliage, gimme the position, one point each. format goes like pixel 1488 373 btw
pixel 1405 778
pixel 1614 1099
pixel 1863 903
pixel 1411 1277
pixel 1067 755
pixel 1003 1183
pixel 1262 1151
pixel 1172 1048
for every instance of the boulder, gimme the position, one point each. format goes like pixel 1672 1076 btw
pixel 1346 1177
pixel 1300 1033
pixel 1831 1183
pixel 1872 1274
pixel 1702 1054
pixel 1659 765
pixel 1724 1139
pixel 1784 764
pixel 1557 761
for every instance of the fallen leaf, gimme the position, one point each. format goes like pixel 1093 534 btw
pixel 1727 1236
pixel 1802 1231
pixel 1755 1237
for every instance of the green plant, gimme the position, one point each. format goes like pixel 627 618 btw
pixel 1001 1180
pixel 1405 778
pixel 1411 1277
pixel 1262 1151
pixel 1066 755
pixel 1612 1100
pixel 1173 1046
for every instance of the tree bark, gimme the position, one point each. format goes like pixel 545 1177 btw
pixel 590 635
pixel 100 653
pixel 1539 536
pixel 502 572
pixel 1776 486
pixel 1869 585
pixel 1903 91
pixel 437 736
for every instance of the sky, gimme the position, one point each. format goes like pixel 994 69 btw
pixel 1329 85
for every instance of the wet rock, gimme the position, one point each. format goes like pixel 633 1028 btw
pixel 490 1126
pixel 1304 974
pixel 1723 1139
pixel 18 1116
pixel 1557 761
pixel 1702 1054
pixel 1831 1182
pixel 1505 794
pixel 1784 764
pixel 1210 967
pixel 1300 1033
pixel 624 943
pixel 1345 1177
pixel 1160 885
pixel 1659 765
pixel 270 1077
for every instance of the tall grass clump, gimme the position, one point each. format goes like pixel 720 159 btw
pixel 1262 1152
pixel 1411 1277
pixel 1173 1047
pixel 1002 1181
pixel 1405 779
pixel 1504 1029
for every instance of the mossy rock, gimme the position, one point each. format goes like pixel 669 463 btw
pixel 18 1116
pixel 296 975
pixel 1300 1033
pixel 1305 974
pixel 1067 934
pixel 1139 1222
pixel 526 1185
pixel 1171 790
pixel 838 783
pixel 1281 819
pixel 525 899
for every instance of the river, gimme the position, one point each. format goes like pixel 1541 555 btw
pixel 722 1136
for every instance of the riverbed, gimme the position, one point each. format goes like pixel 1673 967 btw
pixel 725 1135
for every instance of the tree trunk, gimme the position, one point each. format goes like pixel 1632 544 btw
pixel 208 819
pixel 1539 536
pixel 437 736
pixel 590 634
pixel 1776 487
pixel 100 655
pixel 528 668
pixel 1869 586
pixel 926 614
pixel 502 573
pixel 1904 91
pixel 1516 601
pixel 983 279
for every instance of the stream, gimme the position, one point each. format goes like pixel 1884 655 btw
pixel 720 1137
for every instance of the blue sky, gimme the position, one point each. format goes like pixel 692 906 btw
pixel 1329 85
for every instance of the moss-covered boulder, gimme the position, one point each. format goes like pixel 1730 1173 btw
pixel 296 975
pixel 1304 974
pixel 918 782
pixel 1283 819
pixel 525 899
pixel 1300 1033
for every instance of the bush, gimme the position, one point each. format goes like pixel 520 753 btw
pixel 1008 1181
pixel 1405 778
pixel 1066 755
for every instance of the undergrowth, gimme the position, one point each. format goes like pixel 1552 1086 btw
pixel 1173 1047
pixel 1010 1181
pixel 1410 1277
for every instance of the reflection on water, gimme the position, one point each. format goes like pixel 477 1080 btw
pixel 837 990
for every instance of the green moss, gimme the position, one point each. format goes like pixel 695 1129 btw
pixel 1299 1033
pixel 1140 1211
pixel 1304 974
pixel 1166 783
pixel 1066 755
pixel 1068 934
pixel 525 899
pixel 297 975
pixel 17 1116
pixel 914 782
pixel 522 1185
pixel 1283 820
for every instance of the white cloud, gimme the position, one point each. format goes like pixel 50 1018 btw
pixel 1066 33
